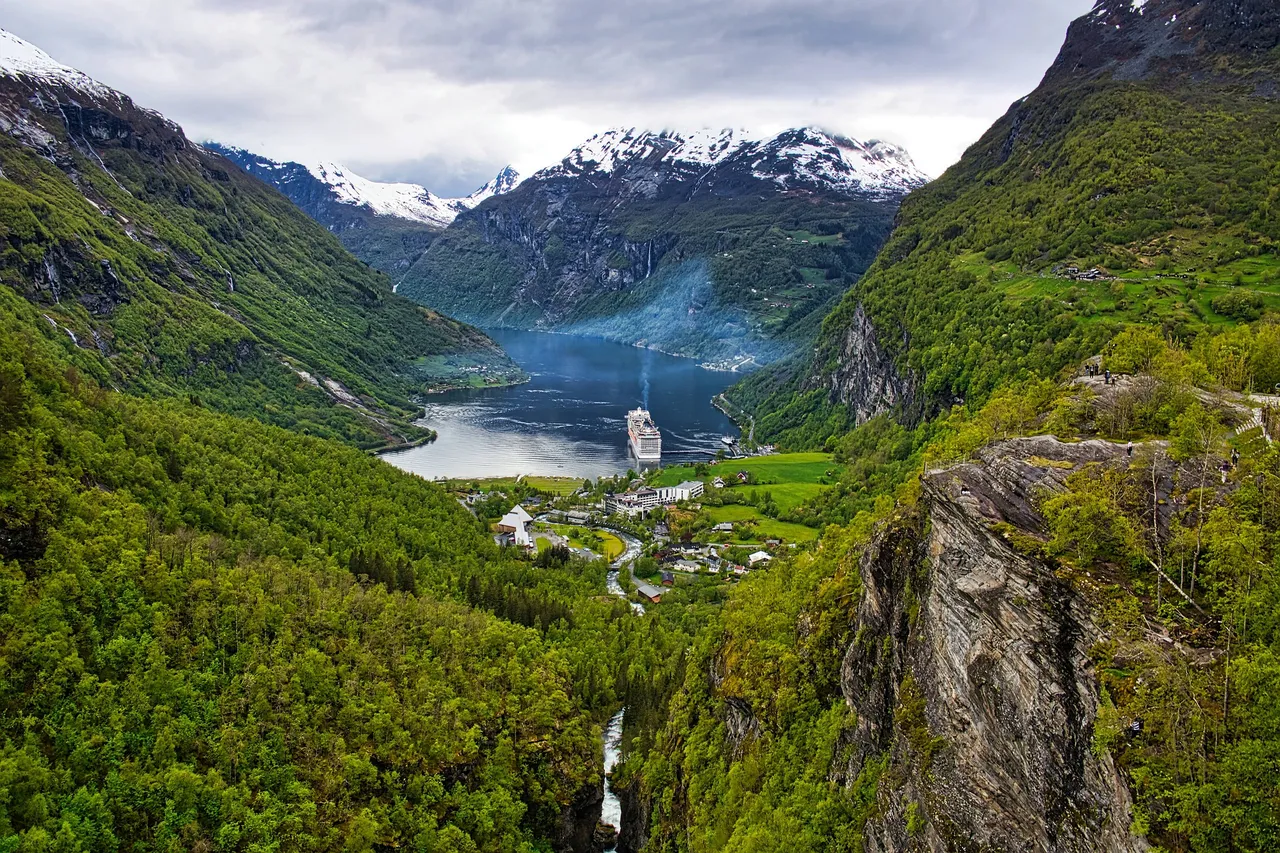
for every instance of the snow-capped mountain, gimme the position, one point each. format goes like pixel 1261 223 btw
pixel 23 60
pixel 505 182
pixel 801 158
pixel 407 201
pixel 718 244
pixel 317 188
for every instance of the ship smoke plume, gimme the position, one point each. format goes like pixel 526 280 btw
pixel 644 383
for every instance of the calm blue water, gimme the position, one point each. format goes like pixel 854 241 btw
pixel 570 420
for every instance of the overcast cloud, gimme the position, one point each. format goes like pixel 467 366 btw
pixel 445 92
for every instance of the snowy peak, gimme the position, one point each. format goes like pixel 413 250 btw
pixel 616 147
pixel 403 201
pixel 505 182
pixel 801 158
pixel 805 157
pixel 329 184
pixel 407 201
pixel 23 60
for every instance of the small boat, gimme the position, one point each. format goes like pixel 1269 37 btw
pixel 728 441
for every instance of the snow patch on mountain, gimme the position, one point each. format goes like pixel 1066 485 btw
pixel 21 59
pixel 406 201
pixel 794 159
pixel 403 201
pixel 807 157
pixel 620 146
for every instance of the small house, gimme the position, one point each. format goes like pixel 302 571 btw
pixel 759 557
pixel 668 579
pixel 649 592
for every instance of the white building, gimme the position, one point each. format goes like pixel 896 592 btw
pixel 634 503
pixel 517 524
pixel 759 557
pixel 686 491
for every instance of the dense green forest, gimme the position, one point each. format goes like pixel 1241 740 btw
pixel 218 634
pixel 221 635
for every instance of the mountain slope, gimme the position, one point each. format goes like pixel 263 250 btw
pixel 1137 183
pixel 388 226
pixel 170 270
pixel 709 244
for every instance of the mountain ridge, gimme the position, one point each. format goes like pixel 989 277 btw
pixel 400 200
pixel 847 165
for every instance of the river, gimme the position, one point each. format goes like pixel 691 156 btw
pixel 570 419
pixel 611 809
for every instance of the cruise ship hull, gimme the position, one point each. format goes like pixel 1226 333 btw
pixel 644 454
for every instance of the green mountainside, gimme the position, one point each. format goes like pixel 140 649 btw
pixel 1059 642
pixel 1137 184
pixel 176 273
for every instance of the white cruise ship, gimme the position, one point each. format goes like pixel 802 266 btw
pixel 646 441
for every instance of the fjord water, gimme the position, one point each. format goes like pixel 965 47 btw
pixel 570 419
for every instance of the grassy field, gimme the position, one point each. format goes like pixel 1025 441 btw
pixel 552 485
pixel 613 547
pixel 792 478
pixel 767 528
pixel 1146 293
pixel 600 541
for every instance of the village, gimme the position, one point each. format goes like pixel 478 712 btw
pixel 689 529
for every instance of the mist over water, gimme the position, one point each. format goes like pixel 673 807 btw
pixel 678 310
pixel 570 420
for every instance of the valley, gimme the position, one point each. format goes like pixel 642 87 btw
pixel 318 529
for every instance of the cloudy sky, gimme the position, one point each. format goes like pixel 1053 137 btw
pixel 445 92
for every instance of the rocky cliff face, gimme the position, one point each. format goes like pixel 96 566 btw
pixel 972 670
pixel 865 379
pixel 1162 38
pixel 705 244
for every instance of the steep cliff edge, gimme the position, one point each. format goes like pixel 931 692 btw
pixel 864 378
pixel 973 672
